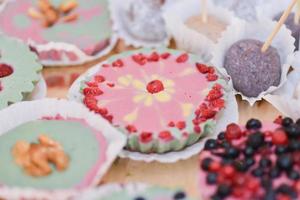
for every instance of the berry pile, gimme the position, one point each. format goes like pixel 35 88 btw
pixel 251 163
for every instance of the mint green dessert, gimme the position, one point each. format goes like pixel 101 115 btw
pixel 85 147
pixel 19 71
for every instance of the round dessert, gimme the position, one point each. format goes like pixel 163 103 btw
pixel 19 71
pixel 142 21
pixel 253 162
pixel 133 192
pixel 212 29
pixel 85 25
pixel 164 100
pixel 252 71
pixel 294 27
pixel 48 154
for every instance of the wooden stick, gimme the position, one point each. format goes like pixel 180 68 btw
pixel 297 14
pixel 204 10
pixel 278 26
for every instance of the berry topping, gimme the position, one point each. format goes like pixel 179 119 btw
pixel 233 131
pixel 223 190
pixel 253 124
pixel 182 58
pixel 256 140
pixel 155 86
pixel 210 144
pixel 118 63
pixel 286 122
pixel 279 137
pixel 284 162
pixel 5 70
pixel 179 196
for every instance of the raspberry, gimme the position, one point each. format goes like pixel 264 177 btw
pixel 165 55
pixel 92 91
pixel 202 68
pixel 212 77
pixel 118 63
pixel 228 171
pixel 182 58
pixel 154 57
pixel 165 135
pixel 5 70
pixel 99 78
pixel 180 125
pixel 155 86
pixel 146 137
pixel 131 129
pixel 233 131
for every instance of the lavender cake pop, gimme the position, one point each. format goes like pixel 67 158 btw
pixel 290 24
pixel 251 70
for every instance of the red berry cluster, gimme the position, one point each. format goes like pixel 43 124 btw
pixel 208 70
pixel 142 59
pixel 91 92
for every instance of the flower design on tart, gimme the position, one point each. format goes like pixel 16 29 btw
pixel 155 96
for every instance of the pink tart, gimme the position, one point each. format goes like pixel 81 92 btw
pixel 252 162
pixel 163 100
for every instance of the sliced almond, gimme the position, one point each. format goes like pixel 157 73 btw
pixel 44 5
pixel 32 12
pixel 68 6
pixel 71 17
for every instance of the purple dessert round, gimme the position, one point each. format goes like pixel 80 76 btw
pixel 252 72
pixel 290 24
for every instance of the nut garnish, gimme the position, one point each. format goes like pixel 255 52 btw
pixel 49 15
pixel 35 158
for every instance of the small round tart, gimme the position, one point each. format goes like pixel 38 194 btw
pixel 19 71
pixel 164 100
pixel 55 150
pixel 252 162
pixel 61 31
pixel 133 191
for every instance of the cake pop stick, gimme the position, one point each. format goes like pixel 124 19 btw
pixel 278 25
pixel 204 10
pixel 297 14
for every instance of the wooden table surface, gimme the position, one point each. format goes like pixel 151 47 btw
pixel 182 174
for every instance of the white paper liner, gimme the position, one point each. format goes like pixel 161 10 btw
pixel 40 90
pixel 286 99
pixel 105 191
pixel 81 56
pixel 296 60
pixel 260 30
pixel 186 38
pixel 23 112
pixel 228 115
pixel 116 7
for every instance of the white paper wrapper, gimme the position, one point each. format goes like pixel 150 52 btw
pixel 33 110
pixel 39 92
pixel 116 9
pixel 296 60
pixel 287 98
pixel 186 38
pixel 82 57
pixel 259 30
pixel 229 115
pixel 271 8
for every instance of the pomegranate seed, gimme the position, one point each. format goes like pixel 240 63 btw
pixel 197 129
pixel 171 124
pixel 228 171
pixel 99 78
pixel 5 70
pixel 93 91
pixel 215 166
pixel 155 86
